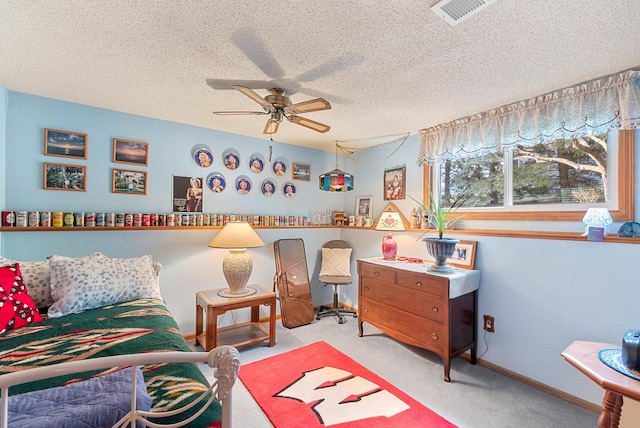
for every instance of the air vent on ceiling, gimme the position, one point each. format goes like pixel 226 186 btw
pixel 456 11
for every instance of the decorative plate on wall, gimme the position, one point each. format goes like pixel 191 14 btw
pixel 256 163
pixel 202 155
pixel 231 159
pixel 243 184
pixel 289 189
pixel 279 167
pixel 268 187
pixel 216 182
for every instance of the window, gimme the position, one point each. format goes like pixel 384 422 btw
pixel 556 181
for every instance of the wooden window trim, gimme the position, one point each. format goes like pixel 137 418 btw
pixel 626 189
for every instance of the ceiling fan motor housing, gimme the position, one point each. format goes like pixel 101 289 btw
pixel 278 98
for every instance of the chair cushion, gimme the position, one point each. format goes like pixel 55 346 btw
pixel 332 279
pixel 336 262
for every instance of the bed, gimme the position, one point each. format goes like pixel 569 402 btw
pixel 105 322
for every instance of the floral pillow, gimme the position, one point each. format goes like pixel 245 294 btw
pixel 97 280
pixel 16 306
pixel 336 262
pixel 36 277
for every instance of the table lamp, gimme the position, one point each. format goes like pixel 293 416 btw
pixel 390 220
pixel 237 265
pixel 597 218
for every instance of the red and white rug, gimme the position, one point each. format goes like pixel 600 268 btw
pixel 318 386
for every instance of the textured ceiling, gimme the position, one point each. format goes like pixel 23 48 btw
pixel 386 67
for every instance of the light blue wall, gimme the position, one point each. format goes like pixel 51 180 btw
pixel 544 294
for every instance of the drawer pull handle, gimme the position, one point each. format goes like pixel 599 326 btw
pixel 434 336
pixel 419 283
pixel 434 309
pixel 376 273
pixel 366 288
pixel 366 309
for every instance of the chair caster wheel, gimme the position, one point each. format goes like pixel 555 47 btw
pixel 340 321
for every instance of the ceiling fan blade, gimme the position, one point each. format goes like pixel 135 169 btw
pixel 250 43
pixel 254 96
pixel 271 127
pixel 342 62
pixel 228 84
pixel 311 105
pixel 308 123
pixel 231 113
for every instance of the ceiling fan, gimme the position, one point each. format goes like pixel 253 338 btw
pixel 278 106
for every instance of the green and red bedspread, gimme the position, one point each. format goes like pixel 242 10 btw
pixel 144 325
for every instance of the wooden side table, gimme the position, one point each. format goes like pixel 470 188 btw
pixel 584 357
pixel 237 335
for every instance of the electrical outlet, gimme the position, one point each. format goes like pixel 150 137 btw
pixel 489 323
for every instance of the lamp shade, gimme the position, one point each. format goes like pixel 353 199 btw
pixel 336 181
pixel 597 217
pixel 237 234
pixel 390 220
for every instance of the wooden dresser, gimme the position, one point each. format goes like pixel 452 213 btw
pixel 424 309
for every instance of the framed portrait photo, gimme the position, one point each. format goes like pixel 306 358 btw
pixel 58 176
pixel 65 143
pixel 464 255
pixel 395 185
pixel 364 206
pixel 128 182
pixel 131 152
pixel 300 171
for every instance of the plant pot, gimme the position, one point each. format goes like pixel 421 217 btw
pixel 440 250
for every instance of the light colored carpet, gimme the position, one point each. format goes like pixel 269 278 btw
pixel 476 397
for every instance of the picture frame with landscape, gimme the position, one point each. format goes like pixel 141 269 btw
pixel 57 176
pixel 130 152
pixel 65 143
pixel 300 171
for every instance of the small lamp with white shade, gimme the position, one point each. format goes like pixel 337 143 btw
pixel 237 265
pixel 597 218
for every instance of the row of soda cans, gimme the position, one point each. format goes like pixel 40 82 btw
pixel 90 219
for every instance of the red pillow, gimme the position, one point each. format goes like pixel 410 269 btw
pixel 16 306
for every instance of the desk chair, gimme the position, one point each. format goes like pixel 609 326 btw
pixel 335 270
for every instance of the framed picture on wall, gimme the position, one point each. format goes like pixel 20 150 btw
pixel 300 171
pixel 364 206
pixel 65 143
pixel 131 152
pixel 129 182
pixel 57 176
pixel 395 185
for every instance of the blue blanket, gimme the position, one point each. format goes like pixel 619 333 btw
pixel 92 403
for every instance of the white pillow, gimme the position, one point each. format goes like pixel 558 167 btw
pixel 97 280
pixel 37 278
pixel 336 262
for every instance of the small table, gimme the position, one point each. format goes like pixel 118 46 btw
pixel 584 357
pixel 236 335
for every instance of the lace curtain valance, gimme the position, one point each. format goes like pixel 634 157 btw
pixel 588 108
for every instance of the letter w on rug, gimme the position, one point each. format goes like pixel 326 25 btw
pixel 342 397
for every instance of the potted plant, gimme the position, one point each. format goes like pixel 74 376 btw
pixel 441 219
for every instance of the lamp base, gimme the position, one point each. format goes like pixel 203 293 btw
pixel 237 267
pixel 248 291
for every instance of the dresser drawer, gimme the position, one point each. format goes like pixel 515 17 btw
pixel 428 333
pixel 431 284
pixel 380 273
pixel 416 302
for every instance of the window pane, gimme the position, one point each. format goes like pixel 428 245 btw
pixel 567 171
pixel 483 176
